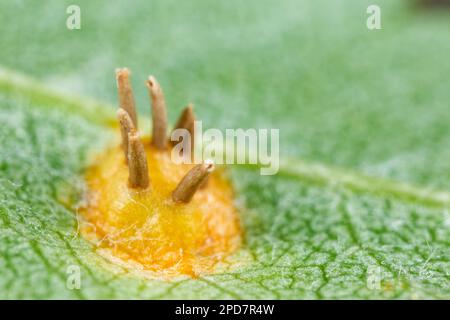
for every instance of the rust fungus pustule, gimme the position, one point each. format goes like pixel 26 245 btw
pixel 144 224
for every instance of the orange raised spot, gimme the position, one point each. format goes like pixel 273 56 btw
pixel 145 227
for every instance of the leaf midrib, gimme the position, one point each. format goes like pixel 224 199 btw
pixel 17 84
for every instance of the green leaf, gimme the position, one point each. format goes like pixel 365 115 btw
pixel 311 232
pixel 374 101
pixel 362 194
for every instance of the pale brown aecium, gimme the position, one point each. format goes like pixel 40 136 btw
pixel 186 121
pixel 126 126
pixel 126 98
pixel 159 114
pixel 137 162
pixel 190 183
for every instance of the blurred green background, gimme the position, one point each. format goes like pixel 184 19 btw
pixel 376 101
pixel 371 102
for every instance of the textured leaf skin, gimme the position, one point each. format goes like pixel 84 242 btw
pixel 303 240
pixel 385 114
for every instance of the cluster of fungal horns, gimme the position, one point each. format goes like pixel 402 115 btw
pixel 133 147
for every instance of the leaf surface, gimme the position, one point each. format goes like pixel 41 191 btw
pixel 362 193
